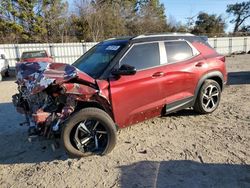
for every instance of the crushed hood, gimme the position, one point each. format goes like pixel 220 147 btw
pixel 37 76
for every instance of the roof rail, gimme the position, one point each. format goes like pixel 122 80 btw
pixel 119 37
pixel 109 39
pixel 163 35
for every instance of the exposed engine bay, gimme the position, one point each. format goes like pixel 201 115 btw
pixel 43 111
pixel 50 93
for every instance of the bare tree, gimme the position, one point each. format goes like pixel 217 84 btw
pixel 94 16
pixel 241 12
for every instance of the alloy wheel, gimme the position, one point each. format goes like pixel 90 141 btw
pixel 89 136
pixel 210 97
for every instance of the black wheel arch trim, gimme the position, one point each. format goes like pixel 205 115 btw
pixel 207 76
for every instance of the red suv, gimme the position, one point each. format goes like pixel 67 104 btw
pixel 119 82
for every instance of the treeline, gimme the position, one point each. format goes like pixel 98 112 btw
pixel 36 21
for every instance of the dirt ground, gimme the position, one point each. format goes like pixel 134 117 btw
pixel 180 150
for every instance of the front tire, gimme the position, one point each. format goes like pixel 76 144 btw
pixel 208 98
pixel 89 131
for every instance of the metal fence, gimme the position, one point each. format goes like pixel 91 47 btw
pixel 229 45
pixel 61 52
pixel 69 52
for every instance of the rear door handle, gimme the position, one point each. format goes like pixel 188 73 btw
pixel 200 64
pixel 158 74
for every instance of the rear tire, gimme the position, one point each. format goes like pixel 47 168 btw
pixel 89 131
pixel 208 98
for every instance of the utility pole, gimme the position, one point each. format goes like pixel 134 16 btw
pixel 191 20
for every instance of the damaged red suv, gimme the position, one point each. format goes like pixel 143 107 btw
pixel 119 82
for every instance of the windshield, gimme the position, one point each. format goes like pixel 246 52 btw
pixel 35 54
pixel 97 59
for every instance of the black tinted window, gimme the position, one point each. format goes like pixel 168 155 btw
pixel 97 59
pixel 178 51
pixel 34 54
pixel 143 56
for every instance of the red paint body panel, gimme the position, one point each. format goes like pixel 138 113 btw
pixel 141 96
pixel 83 76
pixel 83 91
pixel 104 89
pixel 137 97
pixel 214 60
pixel 180 79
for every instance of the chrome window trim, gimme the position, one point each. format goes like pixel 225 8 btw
pixel 141 43
pixel 163 54
pixel 162 51
pixel 194 51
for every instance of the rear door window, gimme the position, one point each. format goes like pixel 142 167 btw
pixel 178 51
pixel 143 56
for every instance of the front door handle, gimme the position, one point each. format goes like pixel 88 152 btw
pixel 158 74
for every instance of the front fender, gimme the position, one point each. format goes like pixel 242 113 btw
pixel 83 92
pixel 88 96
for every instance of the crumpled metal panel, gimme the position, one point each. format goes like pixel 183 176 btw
pixel 103 86
pixel 79 89
pixel 37 76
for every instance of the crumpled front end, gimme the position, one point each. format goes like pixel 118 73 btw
pixel 50 93
pixel 37 76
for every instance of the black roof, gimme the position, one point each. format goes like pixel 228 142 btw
pixel 114 41
pixel 154 37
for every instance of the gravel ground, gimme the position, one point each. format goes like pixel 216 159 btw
pixel 180 150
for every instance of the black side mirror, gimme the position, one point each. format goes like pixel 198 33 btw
pixel 18 59
pixel 124 70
